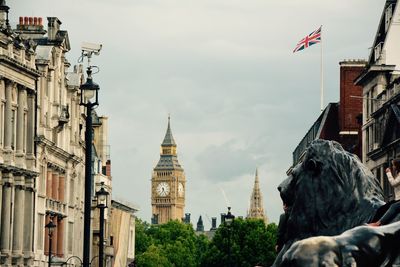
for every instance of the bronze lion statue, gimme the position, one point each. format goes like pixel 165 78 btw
pixel 329 192
pixel 362 246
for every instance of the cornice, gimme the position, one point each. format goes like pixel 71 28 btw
pixel 17 171
pixel 55 150
pixel 19 66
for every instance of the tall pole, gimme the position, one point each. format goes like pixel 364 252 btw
pixel 229 247
pixel 50 247
pixel 322 74
pixel 101 245
pixel 88 186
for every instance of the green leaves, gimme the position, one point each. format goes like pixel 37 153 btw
pixel 245 244
pixel 175 244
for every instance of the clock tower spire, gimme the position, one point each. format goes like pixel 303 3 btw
pixel 168 183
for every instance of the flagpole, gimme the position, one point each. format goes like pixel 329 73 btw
pixel 322 74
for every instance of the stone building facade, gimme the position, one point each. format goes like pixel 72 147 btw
pixel 381 97
pixel 18 88
pixel 122 232
pixel 101 174
pixel 42 153
pixel 59 144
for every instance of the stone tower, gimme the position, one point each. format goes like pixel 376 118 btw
pixel 168 183
pixel 256 209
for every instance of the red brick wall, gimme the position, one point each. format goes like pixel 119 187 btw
pixel 350 107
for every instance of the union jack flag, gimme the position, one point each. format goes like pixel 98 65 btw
pixel 311 39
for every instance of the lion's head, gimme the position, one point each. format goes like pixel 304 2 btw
pixel 329 192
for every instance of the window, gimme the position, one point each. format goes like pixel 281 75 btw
pixel 378 51
pixel 2 126
pixel 388 16
pixel 25 136
pixel 13 129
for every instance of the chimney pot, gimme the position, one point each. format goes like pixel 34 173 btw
pixel 21 20
pixel 40 20
pixel 35 21
pixel 30 21
pixel 26 20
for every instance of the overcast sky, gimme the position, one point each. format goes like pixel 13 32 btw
pixel 224 69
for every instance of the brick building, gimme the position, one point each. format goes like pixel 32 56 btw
pixel 339 121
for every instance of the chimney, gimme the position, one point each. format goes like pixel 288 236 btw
pixel 53 27
pixel 108 168
pixel 30 27
pixel 350 105
pixel 223 218
pixel 4 14
pixel 187 218
pixel 213 223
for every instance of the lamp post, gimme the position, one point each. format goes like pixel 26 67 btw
pixel 229 218
pixel 50 227
pixel 102 198
pixel 88 90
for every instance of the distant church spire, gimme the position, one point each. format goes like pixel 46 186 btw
pixel 256 209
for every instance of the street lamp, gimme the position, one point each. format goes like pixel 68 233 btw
pixel 102 199
pixel 50 227
pixel 88 90
pixel 229 218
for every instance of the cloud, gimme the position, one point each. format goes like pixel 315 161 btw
pixel 225 70
pixel 227 161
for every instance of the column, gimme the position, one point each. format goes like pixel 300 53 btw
pixel 6 214
pixel 7 116
pixel 1 196
pixel 30 134
pixel 49 183
pixel 2 123
pixel 28 217
pixel 61 188
pixel 50 96
pixel 55 186
pixel 19 151
pixel 46 235
pixel 60 238
pixel 54 237
pixel 18 226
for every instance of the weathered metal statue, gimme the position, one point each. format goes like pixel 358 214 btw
pixel 360 246
pixel 328 193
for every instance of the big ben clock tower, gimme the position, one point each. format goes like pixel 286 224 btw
pixel 168 183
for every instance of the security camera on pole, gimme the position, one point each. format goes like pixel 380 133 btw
pixel 88 90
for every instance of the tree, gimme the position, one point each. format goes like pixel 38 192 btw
pixel 245 243
pixel 152 257
pixel 142 239
pixel 175 243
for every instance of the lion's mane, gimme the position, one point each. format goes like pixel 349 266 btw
pixel 329 192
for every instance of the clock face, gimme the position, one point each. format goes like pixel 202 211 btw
pixel 180 190
pixel 162 189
